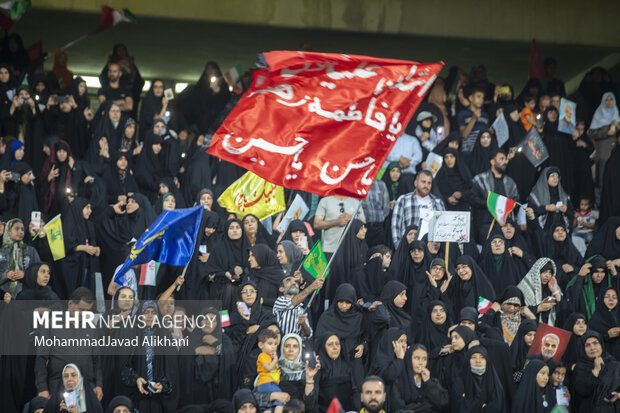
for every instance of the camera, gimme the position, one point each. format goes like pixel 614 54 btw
pixel 24 101
pixel 60 99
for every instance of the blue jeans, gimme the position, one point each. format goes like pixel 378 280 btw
pixel 270 387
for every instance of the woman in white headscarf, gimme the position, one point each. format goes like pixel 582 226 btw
pixel 604 125
pixel 74 395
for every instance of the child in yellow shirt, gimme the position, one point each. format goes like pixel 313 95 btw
pixel 267 366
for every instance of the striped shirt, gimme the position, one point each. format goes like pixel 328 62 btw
pixel 287 316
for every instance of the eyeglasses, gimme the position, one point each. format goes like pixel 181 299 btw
pixel 497 243
pixel 248 291
pixel 554 175
pixel 437 268
pixel 341 205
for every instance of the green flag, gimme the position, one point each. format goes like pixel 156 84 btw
pixel 315 262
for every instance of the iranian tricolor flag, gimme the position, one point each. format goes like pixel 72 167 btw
pixel 148 273
pixel 483 306
pixel 225 319
pixel 500 207
pixel 111 17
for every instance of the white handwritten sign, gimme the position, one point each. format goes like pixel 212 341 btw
pixel 449 226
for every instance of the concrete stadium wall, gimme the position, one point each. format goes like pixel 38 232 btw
pixel 594 22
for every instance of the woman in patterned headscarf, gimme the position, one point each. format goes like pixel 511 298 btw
pixel 15 257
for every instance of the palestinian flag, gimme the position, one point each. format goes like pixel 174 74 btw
pixel 148 273
pixel 225 319
pixel 111 17
pixel 500 207
pixel 12 11
pixel 483 306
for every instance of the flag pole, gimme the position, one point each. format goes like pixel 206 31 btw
pixel 346 229
pixel 491 228
pixel 71 43
pixel 183 274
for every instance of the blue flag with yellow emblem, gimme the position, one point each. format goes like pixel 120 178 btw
pixel 171 239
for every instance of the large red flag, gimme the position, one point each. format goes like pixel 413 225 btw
pixel 536 67
pixel 322 123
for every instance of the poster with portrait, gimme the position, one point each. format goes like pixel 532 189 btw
pixel 500 126
pixel 568 116
pixel 550 342
pixel 533 148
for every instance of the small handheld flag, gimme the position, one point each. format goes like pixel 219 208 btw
pixel 315 262
pixel 55 238
pixel 483 306
pixel 111 17
pixel 500 207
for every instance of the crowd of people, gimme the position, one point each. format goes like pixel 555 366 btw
pixel 395 325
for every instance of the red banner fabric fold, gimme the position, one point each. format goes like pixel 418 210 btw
pixel 322 123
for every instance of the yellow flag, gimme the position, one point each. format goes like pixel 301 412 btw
pixel 55 239
pixel 251 194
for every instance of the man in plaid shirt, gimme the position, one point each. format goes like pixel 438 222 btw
pixel 415 206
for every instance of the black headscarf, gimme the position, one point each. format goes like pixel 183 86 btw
pixel 370 282
pixel 398 316
pixel 174 190
pixel 347 324
pixel 433 335
pixel 259 315
pixel 141 219
pixel 610 189
pixel 32 290
pixel 401 255
pixel 518 348
pixel 119 181
pixel 269 276
pixel 480 156
pixel 119 401
pixel 241 397
pixel 561 149
pixel 412 274
pixel 294 226
pixel 73 90
pixel 519 168
pixel 470 390
pixel 105 127
pixel 75 227
pixel 466 293
pixel 604 319
pixel 530 397
pixel 451 180
pixel 574 349
pixel 605 242
pixel 150 167
pixel 501 270
pixel 198 176
pixel 230 253
pixel 455 361
pixel 351 255
pixel 262 235
pixel 385 351
pixel 336 377
pixel 608 379
pixel 27 196
pixel 445 142
pixel 151 106
pixel 391 186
